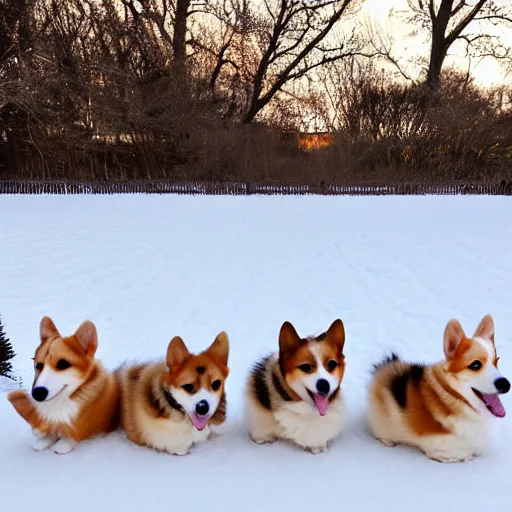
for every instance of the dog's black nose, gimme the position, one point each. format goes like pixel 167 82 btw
pixel 202 407
pixel 502 385
pixel 39 394
pixel 322 386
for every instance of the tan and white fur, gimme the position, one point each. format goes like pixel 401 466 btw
pixel 73 397
pixel 444 409
pixel 295 394
pixel 170 405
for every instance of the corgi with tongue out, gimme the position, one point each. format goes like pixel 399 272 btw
pixel 170 405
pixel 443 409
pixel 295 394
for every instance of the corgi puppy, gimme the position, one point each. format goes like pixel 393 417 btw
pixel 443 409
pixel 295 394
pixel 170 405
pixel 73 397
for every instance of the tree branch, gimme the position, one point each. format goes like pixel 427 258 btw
pixel 457 30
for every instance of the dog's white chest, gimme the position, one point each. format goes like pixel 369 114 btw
pixel 300 422
pixel 174 437
pixel 475 435
pixel 470 437
pixel 59 410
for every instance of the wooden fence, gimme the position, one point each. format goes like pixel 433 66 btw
pixel 242 189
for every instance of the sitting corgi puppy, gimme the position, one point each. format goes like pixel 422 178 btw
pixel 170 405
pixel 73 397
pixel 443 409
pixel 295 394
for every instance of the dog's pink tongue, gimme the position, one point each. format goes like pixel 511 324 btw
pixel 199 422
pixel 321 403
pixel 494 404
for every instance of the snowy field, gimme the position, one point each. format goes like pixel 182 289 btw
pixel 146 268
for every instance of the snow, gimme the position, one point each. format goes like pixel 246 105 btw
pixel 7 384
pixel 146 268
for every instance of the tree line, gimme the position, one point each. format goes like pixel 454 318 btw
pixel 216 90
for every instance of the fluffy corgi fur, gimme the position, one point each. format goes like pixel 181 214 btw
pixel 443 409
pixel 170 405
pixel 73 397
pixel 295 394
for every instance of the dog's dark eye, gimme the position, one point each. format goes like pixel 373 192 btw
pixel 62 364
pixel 332 365
pixel 188 387
pixel 39 366
pixel 306 368
pixel 475 365
pixel 216 385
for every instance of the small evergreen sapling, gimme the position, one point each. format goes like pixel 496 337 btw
pixel 6 354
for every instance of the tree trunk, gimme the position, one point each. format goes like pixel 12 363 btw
pixel 437 56
pixel 439 47
pixel 179 37
pixel 253 111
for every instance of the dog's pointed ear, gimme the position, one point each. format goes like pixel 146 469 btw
pixel 47 329
pixel 485 329
pixel 87 336
pixel 289 340
pixel 336 334
pixel 177 352
pixel 453 335
pixel 219 349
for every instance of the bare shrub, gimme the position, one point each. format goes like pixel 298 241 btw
pixel 400 131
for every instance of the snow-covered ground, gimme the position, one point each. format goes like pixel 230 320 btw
pixel 146 268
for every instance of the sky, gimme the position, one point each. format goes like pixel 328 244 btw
pixel 487 72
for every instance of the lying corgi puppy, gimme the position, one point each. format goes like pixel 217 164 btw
pixel 295 394
pixel 442 409
pixel 170 405
pixel 73 397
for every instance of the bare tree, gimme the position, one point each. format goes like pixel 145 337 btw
pixel 292 38
pixel 253 49
pixel 223 40
pixel 221 29
pixel 448 21
pixel 170 17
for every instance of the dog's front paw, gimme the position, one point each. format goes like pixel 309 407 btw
pixel 387 442
pixel 39 433
pixel 263 440
pixel 20 400
pixel 449 459
pixel 318 449
pixel 43 443
pixel 213 434
pixel 63 446
pixel 181 452
pixel 16 394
